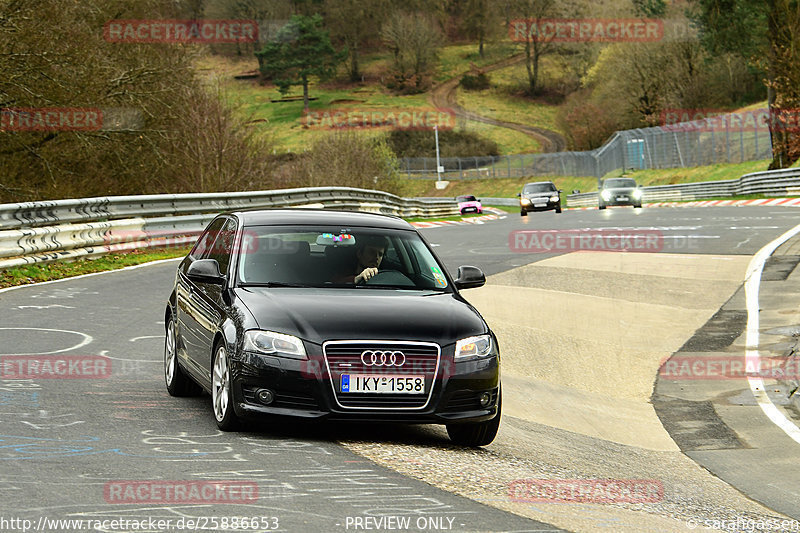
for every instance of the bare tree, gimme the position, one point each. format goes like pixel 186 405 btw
pixel 354 22
pixel 414 41
pixel 529 15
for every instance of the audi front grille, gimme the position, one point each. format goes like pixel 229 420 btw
pixel 382 358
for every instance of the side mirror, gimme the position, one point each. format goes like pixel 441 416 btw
pixel 205 271
pixel 470 277
pixel 519 194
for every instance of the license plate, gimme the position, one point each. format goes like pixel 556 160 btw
pixel 539 205
pixel 382 384
pixel 622 198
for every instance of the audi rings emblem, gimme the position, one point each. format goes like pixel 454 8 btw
pixel 383 358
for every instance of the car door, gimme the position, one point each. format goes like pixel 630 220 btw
pixel 206 300
pixel 188 312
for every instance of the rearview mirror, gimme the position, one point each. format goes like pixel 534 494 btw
pixel 470 277
pixel 205 271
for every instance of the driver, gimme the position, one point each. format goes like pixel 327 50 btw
pixel 370 250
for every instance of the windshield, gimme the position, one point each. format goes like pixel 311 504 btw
pixel 539 187
pixel 615 183
pixel 466 199
pixel 335 257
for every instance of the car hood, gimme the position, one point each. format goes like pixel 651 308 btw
pixel 318 315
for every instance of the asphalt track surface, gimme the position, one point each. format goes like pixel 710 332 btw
pixel 66 445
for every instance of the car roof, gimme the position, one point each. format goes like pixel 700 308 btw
pixel 319 217
pixel 538 183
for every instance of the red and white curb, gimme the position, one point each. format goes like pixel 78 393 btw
pixel 770 202
pixel 496 214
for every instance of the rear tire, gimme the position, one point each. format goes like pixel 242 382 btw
pixel 477 433
pixel 178 383
pixel 221 393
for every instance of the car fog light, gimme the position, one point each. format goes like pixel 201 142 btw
pixel 265 396
pixel 485 398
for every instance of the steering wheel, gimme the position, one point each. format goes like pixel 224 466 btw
pixel 390 277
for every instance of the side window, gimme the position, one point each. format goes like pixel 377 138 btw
pixel 206 240
pixel 223 246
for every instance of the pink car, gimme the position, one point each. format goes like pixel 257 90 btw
pixel 469 204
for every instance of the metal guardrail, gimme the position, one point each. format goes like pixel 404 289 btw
pixel 35 232
pixel 779 182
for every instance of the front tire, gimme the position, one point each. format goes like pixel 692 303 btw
pixel 178 383
pixel 558 208
pixel 637 206
pixel 477 433
pixel 523 213
pixel 221 392
pixel 601 206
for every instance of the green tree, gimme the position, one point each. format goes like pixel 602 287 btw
pixel 762 31
pixel 300 50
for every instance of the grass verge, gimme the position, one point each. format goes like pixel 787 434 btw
pixel 24 275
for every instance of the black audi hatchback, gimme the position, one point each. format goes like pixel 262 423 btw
pixel 334 315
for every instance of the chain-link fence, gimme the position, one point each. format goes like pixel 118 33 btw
pixel 687 144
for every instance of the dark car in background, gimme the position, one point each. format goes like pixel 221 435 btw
pixel 267 316
pixel 539 196
pixel 619 191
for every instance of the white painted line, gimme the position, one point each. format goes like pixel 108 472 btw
pixel 752 356
pixel 87 339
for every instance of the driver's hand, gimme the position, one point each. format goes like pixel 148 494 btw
pixel 366 274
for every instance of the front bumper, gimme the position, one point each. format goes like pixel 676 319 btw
pixel 622 199
pixel 308 389
pixel 540 204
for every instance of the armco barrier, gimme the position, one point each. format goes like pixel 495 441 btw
pixel 771 182
pixel 34 232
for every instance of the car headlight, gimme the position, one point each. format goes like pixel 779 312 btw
pixel 272 343
pixel 636 193
pixel 554 198
pixel 606 195
pixel 524 201
pixel 473 347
